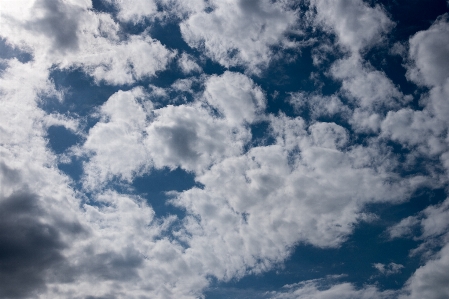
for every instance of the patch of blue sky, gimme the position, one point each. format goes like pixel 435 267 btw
pixel 156 185
pixel 8 52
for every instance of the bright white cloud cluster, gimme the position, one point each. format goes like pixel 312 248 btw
pixel 354 22
pixel 239 33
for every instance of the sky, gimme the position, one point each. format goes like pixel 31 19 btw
pixel 222 149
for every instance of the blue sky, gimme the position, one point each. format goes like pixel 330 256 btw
pixel 224 149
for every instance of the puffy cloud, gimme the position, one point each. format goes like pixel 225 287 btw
pixel 235 96
pixel 71 35
pixel 415 129
pixel 39 220
pixel 272 191
pixel 369 88
pixel 238 32
pixel 116 142
pixel 429 52
pixel 33 238
pixel 134 11
pixel 254 204
pixel 356 24
pixel 426 129
pixel 132 137
pixel 188 65
pixel 190 137
pixel 431 280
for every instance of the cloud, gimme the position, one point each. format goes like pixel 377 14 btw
pixel 431 280
pixel 59 22
pixel 189 136
pixel 134 11
pixel 31 249
pixel 313 289
pixel 371 89
pixel 391 268
pixel 236 97
pixel 318 106
pixel 68 35
pixel 116 142
pixel 425 129
pixel 253 208
pixel 252 204
pixel 239 32
pixel 357 25
pixel 429 52
pixel 403 228
pixel 188 65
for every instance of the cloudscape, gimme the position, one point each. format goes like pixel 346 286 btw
pixel 224 149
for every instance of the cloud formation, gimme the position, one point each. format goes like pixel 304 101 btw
pixel 275 163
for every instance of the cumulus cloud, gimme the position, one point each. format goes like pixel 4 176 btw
pixel 403 228
pixel 135 11
pixel 239 33
pixel 133 136
pixel 431 280
pixel 311 184
pixel 116 142
pixel 68 34
pixel 371 89
pixel 356 24
pixel 188 64
pixel 425 129
pixel 429 52
pixel 271 192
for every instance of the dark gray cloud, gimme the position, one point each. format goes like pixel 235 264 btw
pixel 59 22
pixel 31 241
pixel 28 247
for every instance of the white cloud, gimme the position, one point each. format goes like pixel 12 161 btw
pixel 116 142
pixel 188 136
pixel 256 204
pixel 314 289
pixel 329 135
pixel 318 106
pixel 273 191
pixel 391 268
pixel 235 96
pixel 436 221
pixel 403 228
pixel 370 88
pixel 431 280
pixel 357 25
pixel 188 65
pixel 130 139
pixel 415 129
pixel 70 35
pixel 239 33
pixel 426 129
pixel 429 52
pixel 134 11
